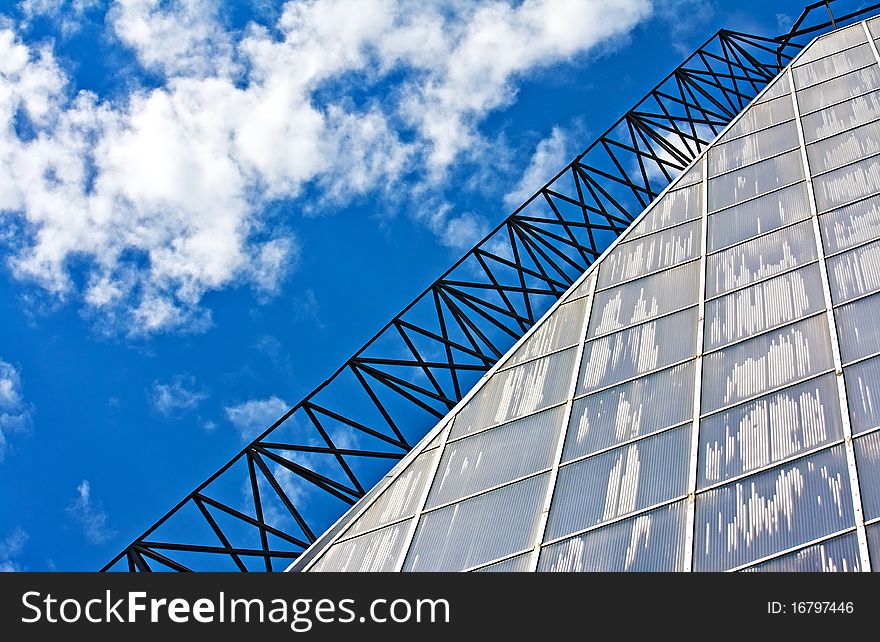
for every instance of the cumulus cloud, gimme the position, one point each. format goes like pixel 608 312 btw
pixel 10 548
pixel 15 413
pixel 90 515
pixel 254 416
pixel 177 397
pixel 551 155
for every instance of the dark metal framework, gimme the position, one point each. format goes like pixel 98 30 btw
pixel 268 503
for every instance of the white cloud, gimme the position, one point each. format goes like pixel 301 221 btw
pixel 90 515
pixel 254 416
pixel 10 548
pixel 551 155
pixel 15 413
pixel 177 397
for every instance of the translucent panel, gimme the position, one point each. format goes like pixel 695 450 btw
pixel 841 117
pixel 653 541
pixel 766 305
pixel 763 214
pixel 761 116
pixel 843 149
pixel 650 254
pixel 838 89
pixel 559 330
pixel 619 482
pixel 399 500
pixel 834 65
pixel 855 273
pixel 847 184
pixel 631 410
pixel 435 441
pixel 863 394
pixel 838 555
pixel 760 258
pixel 873 533
pixel 518 564
pixel 832 43
pixel 690 176
pixel 767 430
pixel 851 225
pixel 770 361
pixel 874 27
pixel 377 551
pixel 496 456
pixel 644 299
pixel 857 328
pixel 517 392
pixel 868 463
pixel 676 206
pixel 776 89
pixel 755 180
pixel 479 529
pixel 772 511
pixel 740 152
pixel 638 350
pixel 583 289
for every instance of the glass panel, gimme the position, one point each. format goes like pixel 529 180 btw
pixel 724 157
pixel 496 456
pixel 761 116
pixel 851 225
pixel 517 392
pixel 768 304
pixel 631 410
pixel 857 328
pixel 855 273
pixel 844 148
pixel 620 482
pixel 873 533
pixel 376 552
pixel 847 184
pixel 690 177
pixel 772 511
pixel 832 43
pixel 841 117
pixel 518 564
pixel 650 254
pixel 653 541
pixel 838 89
pixel 834 65
pixel 863 394
pixel 874 27
pixel 868 463
pixel 770 361
pixel 768 430
pixel 760 258
pixel 644 299
pixel 777 88
pixel 763 214
pixel 755 180
pixel 583 289
pixel 479 529
pixel 675 207
pixel 561 329
pixel 838 555
pixel 644 348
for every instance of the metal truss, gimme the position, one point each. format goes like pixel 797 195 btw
pixel 268 503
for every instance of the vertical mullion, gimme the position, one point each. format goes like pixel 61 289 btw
pixel 560 444
pixel 835 343
pixel 690 519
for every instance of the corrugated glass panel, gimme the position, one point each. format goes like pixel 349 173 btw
pixel 650 254
pixel 857 328
pixel 583 289
pixel 559 330
pixel 844 148
pixel 770 361
pixel 832 43
pixel 834 65
pixel 873 532
pixel 755 180
pixel 690 177
pixel 760 258
pixel 377 551
pixel 513 393
pixel 653 541
pixel 772 511
pixel 435 441
pixel 479 529
pixel 644 299
pixel 863 394
pixel 760 215
pixel 399 500
pixel 838 89
pixel 851 225
pixel 841 117
pixel 631 410
pixel 779 87
pixel 855 273
pixel 518 564
pixel 761 116
pixel 847 184
pixel 768 304
pixel 868 463
pixel 724 157
pixel 638 350
pixel 496 456
pixel 769 429
pixel 676 206
pixel 838 555
pixel 620 482
pixel 874 27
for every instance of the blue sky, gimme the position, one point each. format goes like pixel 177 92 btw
pixel 206 207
